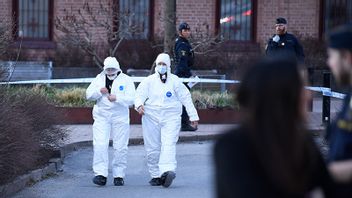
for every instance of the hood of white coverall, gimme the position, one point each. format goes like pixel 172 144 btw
pixel 111 62
pixel 165 58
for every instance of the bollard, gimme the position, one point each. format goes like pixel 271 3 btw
pixel 326 99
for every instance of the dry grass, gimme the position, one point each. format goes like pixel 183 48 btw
pixel 211 100
pixel 72 97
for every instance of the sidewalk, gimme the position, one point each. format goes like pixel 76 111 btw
pixel 83 133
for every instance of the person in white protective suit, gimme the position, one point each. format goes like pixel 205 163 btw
pixel 159 99
pixel 113 92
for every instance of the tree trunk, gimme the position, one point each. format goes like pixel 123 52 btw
pixel 169 25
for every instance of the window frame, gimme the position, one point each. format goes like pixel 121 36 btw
pixel 29 42
pixel 324 5
pixel 253 33
pixel 150 35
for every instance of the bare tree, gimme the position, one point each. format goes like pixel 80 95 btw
pixel 203 40
pixel 6 43
pixel 169 21
pixel 6 37
pixel 87 27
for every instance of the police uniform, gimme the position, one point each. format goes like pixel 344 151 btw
pixel 287 46
pixel 339 133
pixel 184 57
pixel 339 136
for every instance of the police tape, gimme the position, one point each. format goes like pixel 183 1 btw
pixel 134 79
pixel 327 92
pixel 324 90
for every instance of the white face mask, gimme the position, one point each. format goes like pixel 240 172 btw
pixel 161 69
pixel 111 77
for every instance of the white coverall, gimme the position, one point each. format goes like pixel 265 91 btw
pixel 111 117
pixel 161 121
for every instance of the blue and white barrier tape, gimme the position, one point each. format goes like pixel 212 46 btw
pixel 324 90
pixel 327 92
pixel 135 79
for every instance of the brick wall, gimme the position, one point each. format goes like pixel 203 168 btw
pixel 302 16
pixel 198 14
pixel 5 9
pixel 59 9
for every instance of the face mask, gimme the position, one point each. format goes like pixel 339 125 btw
pixel 161 69
pixel 111 77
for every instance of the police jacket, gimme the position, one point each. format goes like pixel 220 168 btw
pixel 339 134
pixel 287 46
pixel 184 57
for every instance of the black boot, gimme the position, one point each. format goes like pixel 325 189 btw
pixel 187 127
pixel 155 181
pixel 167 178
pixel 99 180
pixel 118 181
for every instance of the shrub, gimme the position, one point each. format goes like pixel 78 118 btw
pixel 75 97
pixel 28 135
pixel 211 100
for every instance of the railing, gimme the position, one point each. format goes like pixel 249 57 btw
pixel 18 71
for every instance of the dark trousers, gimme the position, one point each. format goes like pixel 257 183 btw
pixel 184 116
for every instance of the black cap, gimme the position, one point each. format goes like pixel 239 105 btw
pixel 183 26
pixel 341 37
pixel 281 20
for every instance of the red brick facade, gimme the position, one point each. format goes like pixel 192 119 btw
pixel 303 17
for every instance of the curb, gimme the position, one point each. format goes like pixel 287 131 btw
pixel 54 166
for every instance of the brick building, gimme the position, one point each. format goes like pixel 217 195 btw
pixel 244 24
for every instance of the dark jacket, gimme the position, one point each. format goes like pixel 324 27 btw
pixel 339 136
pixel 287 46
pixel 239 174
pixel 184 58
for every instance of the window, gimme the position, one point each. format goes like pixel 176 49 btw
pixel 236 19
pixel 337 12
pixel 34 19
pixel 136 13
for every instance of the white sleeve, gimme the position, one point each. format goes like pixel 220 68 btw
pixel 141 93
pixel 185 98
pixel 93 90
pixel 130 93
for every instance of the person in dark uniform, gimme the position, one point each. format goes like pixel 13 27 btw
pixel 184 59
pixel 283 44
pixel 339 133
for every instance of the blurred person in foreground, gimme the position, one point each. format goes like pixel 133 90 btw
pixel 339 133
pixel 271 154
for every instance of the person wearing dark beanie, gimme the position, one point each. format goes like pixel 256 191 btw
pixel 283 44
pixel 339 134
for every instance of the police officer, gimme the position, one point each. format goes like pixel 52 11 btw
pixel 340 131
pixel 284 44
pixel 184 59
